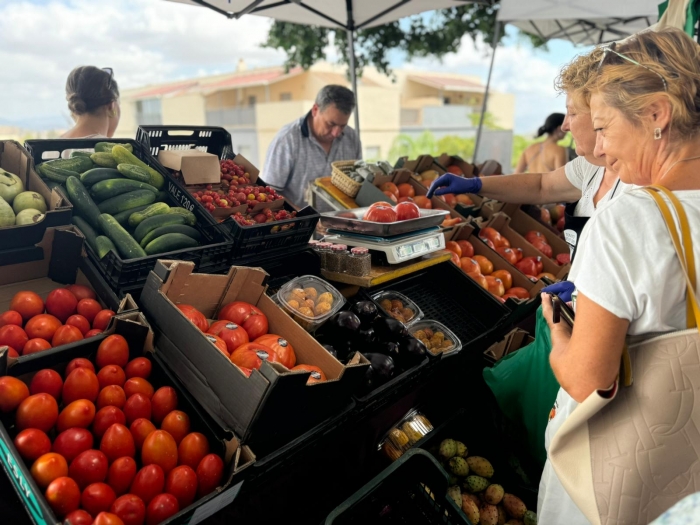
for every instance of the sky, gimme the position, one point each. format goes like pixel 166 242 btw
pixel 149 41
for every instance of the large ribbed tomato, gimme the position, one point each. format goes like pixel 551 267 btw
pixel 246 315
pixel 195 316
pixel 251 355
pixel 232 334
pixel 282 347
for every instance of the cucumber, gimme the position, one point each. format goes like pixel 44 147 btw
pixel 95 175
pixel 162 196
pixel 156 222
pixel 58 174
pixel 127 201
pixel 113 187
pixel 78 153
pixel 82 202
pixel 87 230
pixel 124 156
pixel 123 216
pixel 104 245
pixel 171 228
pixel 134 172
pixel 78 164
pixel 106 147
pixel 169 243
pixel 127 247
pixel 104 159
pixel 159 208
pixel 190 218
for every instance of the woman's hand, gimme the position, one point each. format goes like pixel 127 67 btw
pixel 449 183
pixel 560 332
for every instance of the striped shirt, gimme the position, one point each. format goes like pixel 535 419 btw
pixel 295 159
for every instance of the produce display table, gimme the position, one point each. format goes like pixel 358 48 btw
pixel 331 195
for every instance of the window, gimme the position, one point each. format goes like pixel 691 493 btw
pixel 372 152
pixel 252 100
pixel 148 112
pixel 285 96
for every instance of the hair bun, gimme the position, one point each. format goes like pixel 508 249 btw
pixel 76 104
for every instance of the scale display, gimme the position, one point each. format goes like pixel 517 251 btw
pixel 397 249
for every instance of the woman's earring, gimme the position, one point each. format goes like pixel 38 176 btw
pixel 657 133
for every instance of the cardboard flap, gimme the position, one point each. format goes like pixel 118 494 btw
pixel 197 167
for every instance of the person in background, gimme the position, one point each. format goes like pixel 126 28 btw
pixel 303 150
pixel 547 155
pixel 93 100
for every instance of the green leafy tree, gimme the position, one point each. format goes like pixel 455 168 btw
pixel 427 144
pixel 489 120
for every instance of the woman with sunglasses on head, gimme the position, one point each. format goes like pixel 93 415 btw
pixel 93 100
pixel 645 107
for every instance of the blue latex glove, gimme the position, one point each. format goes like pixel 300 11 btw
pixel 562 289
pixel 449 183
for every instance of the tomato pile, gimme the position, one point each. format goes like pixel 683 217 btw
pixel 263 216
pixel 405 192
pixel 69 314
pixel 232 174
pixel 241 334
pixel 235 196
pixel 106 444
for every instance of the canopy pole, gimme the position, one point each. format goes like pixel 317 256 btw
pixel 353 67
pixel 494 44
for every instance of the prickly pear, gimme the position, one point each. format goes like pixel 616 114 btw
pixel 470 509
pixel 514 521
pixel 476 484
pixel 459 467
pixel 494 494
pixel 456 494
pixel 530 518
pixel 472 497
pixel 461 449
pixel 514 506
pixel 448 448
pixel 480 466
pixel 502 516
pixel 488 514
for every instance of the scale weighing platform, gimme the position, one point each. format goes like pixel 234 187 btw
pixel 392 250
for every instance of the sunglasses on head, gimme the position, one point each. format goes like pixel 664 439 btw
pixel 611 49
pixel 111 75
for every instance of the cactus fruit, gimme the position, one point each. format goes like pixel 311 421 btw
pixel 459 467
pixel 530 518
pixel 453 480
pixel 456 494
pixel 513 521
pixel 480 466
pixel 494 494
pixel 472 497
pixel 488 514
pixel 470 509
pixel 477 484
pixel 448 448
pixel 514 505
pixel 461 449
pixel 502 516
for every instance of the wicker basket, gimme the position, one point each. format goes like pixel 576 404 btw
pixel 340 179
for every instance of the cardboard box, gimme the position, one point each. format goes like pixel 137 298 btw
pixel 511 342
pixel 136 330
pixel 273 405
pixel 522 223
pixel 16 159
pixel 197 167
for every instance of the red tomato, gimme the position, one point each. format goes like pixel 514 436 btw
pixel 81 383
pixel 47 381
pixel 138 367
pixel 37 411
pixel 518 253
pixel 161 508
pixel 78 362
pixel 544 247
pixel 454 247
pixel 148 483
pixel 12 393
pixel 219 343
pixel 406 210
pixel 140 429
pixel 130 509
pixel 78 414
pixel 506 278
pixel 78 517
pixel 160 449
pixel 63 496
pixel 530 265
pixel 192 449
pixel 89 467
pixel 391 196
pixel 283 349
pixel 97 497
pixel 138 385
pixel 11 352
pixel 137 406
pixel 380 214
pixel 406 190
pixel 102 319
pixel 28 304
pixel 72 442
pixel 533 235
pixel 455 259
pixel 117 442
pixel 508 254
pixel 32 443
pixel 195 316
pixel 391 188
pixel 548 275
pixel 405 199
pixel 163 402
pixel 113 350
pixel 81 292
pixel 231 333
pixel 107 518
pixel 49 467
pixel 490 233
pixel 495 286
pixel 182 483
pixel 112 395
pixel 251 318
pixel 80 322
pixel 469 265
pixel 88 308
pixel 92 333
pixel 563 258
pixel 10 317
pixel 121 474
pixel 36 345
pixel 61 303
pixel 66 334
pixel 111 375
pixel 105 418
pixel 177 424
pixel 210 471
pixel 13 335
pixel 520 293
pixel 423 202
pixel 467 248
pixel 317 375
pixel 251 355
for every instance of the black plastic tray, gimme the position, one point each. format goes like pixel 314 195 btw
pixel 128 275
pixel 209 139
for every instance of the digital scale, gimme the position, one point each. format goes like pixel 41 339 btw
pixel 395 249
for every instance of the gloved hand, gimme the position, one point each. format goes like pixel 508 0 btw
pixel 449 183
pixel 562 289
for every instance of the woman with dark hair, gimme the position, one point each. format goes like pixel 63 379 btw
pixel 93 100
pixel 545 156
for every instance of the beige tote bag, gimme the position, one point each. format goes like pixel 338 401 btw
pixel 627 454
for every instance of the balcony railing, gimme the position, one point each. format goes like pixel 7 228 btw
pixel 242 117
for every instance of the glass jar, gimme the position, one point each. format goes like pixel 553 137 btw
pixel 323 249
pixel 359 263
pixel 336 259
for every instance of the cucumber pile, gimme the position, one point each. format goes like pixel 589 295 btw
pixel 118 205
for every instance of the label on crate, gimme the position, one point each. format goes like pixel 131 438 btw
pixel 180 196
pixel 23 488
pixel 215 504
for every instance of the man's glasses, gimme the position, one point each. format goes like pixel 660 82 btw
pixel 611 49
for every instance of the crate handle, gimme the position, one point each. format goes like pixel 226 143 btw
pixel 180 132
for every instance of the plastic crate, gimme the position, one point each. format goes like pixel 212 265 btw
pixel 209 139
pixel 412 491
pixel 131 274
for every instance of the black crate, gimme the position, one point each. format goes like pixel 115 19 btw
pixel 412 491
pixel 209 139
pixel 131 274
